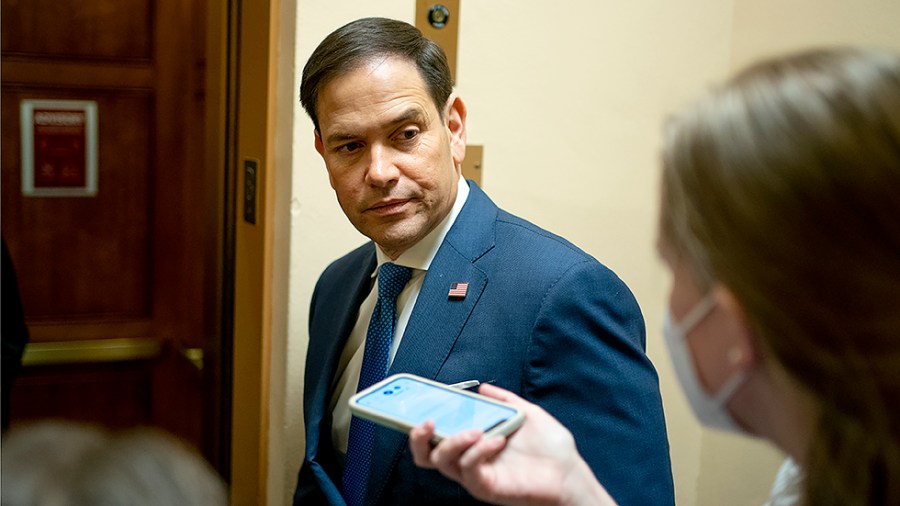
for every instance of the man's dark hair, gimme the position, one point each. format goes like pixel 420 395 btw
pixel 360 41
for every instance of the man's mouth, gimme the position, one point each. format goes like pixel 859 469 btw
pixel 388 207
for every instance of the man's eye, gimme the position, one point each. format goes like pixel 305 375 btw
pixel 349 147
pixel 408 134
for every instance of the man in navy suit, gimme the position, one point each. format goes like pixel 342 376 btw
pixel 538 316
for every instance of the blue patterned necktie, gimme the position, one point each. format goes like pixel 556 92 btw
pixel 391 280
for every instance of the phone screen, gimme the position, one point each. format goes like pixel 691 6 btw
pixel 452 412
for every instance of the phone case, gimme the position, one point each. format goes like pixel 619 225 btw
pixel 503 428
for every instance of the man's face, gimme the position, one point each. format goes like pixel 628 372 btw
pixel 392 160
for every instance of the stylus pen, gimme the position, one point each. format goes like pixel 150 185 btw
pixel 465 385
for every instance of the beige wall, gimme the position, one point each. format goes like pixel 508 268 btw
pixel 568 104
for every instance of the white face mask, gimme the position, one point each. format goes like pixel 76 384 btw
pixel 709 409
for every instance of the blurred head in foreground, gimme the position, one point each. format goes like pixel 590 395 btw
pixel 68 464
pixel 780 220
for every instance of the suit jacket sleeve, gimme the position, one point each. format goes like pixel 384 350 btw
pixel 586 366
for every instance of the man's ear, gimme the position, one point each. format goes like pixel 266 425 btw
pixel 320 147
pixel 742 350
pixel 456 124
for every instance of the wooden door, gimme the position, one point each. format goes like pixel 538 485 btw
pixel 120 288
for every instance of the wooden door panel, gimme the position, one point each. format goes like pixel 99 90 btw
pixel 132 263
pixel 89 29
pixel 116 395
pixel 60 243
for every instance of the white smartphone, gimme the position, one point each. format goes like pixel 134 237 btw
pixel 403 401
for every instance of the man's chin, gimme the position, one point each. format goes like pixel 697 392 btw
pixel 397 238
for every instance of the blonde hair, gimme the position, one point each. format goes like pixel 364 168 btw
pixel 784 185
pixel 62 463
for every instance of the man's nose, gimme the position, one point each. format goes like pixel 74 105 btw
pixel 382 169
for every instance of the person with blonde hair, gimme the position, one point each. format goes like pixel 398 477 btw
pixel 780 222
pixel 64 463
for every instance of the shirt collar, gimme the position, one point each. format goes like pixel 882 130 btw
pixel 421 254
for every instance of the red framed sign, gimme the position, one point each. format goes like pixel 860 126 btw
pixel 59 148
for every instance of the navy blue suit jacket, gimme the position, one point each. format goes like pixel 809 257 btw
pixel 541 318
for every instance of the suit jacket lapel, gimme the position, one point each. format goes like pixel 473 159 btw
pixel 337 313
pixel 437 321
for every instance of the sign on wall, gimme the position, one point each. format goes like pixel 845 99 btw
pixel 59 148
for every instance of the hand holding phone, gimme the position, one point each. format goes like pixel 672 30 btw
pixel 403 401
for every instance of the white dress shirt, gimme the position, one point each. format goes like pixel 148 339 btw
pixel 787 490
pixel 419 258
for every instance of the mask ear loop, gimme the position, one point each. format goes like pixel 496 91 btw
pixel 730 387
pixel 697 313
pixel 694 316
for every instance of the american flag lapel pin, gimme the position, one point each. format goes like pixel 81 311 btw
pixel 458 290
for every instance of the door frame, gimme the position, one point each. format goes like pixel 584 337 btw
pixel 251 57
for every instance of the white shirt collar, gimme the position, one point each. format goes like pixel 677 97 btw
pixel 420 255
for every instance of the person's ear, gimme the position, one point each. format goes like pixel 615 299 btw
pixel 320 147
pixel 456 124
pixel 742 346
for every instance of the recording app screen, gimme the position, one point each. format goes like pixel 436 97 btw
pixel 452 412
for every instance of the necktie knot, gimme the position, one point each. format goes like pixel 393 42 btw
pixel 391 280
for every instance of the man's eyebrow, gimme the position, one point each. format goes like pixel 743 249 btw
pixel 338 137
pixel 412 114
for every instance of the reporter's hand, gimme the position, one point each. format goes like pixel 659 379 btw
pixel 538 464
